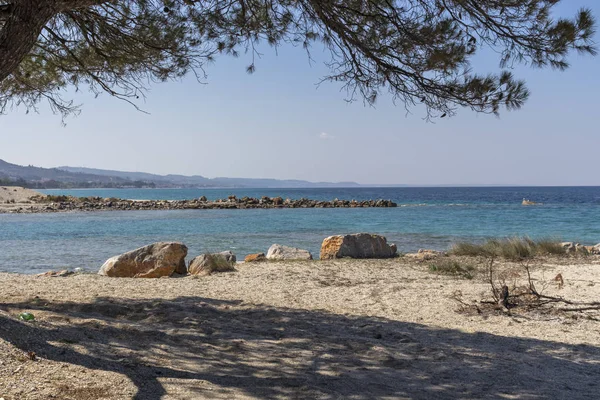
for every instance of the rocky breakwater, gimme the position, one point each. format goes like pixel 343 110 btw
pixel 69 203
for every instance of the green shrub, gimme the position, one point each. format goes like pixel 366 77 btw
pixel 56 199
pixel 516 248
pixel 452 267
pixel 474 250
pixel 510 248
pixel 549 246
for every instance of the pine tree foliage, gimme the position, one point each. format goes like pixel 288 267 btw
pixel 417 50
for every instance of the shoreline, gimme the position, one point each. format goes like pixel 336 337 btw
pixel 574 254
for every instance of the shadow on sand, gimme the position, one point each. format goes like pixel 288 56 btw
pixel 241 350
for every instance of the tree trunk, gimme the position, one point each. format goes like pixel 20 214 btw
pixel 23 24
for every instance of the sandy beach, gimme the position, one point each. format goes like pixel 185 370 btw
pixel 340 329
pixel 416 228
pixel 13 198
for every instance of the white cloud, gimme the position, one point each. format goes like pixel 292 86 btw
pixel 325 136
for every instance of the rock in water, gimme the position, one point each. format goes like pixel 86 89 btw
pixel 206 264
pixel 255 257
pixel 153 261
pixel 358 245
pixel 280 253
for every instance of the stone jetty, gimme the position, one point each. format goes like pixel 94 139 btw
pixel 69 203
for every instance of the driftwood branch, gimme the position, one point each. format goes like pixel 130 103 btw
pixel 524 297
pixel 590 308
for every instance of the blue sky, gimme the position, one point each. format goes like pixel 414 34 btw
pixel 277 123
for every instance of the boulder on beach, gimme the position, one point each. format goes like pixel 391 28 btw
pixel 255 257
pixel 358 245
pixel 571 248
pixel 281 253
pixel 153 261
pixel 206 264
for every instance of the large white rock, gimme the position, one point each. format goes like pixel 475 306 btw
pixel 153 261
pixel 279 252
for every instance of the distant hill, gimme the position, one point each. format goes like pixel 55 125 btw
pixel 36 177
pixel 77 177
pixel 200 181
pixel 143 176
pixel 275 183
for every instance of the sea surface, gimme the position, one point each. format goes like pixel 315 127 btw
pixel 432 218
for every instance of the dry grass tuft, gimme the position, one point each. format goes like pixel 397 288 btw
pixel 510 248
pixel 452 267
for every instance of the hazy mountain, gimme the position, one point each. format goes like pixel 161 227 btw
pixel 77 177
pixel 200 181
pixel 143 176
pixel 13 172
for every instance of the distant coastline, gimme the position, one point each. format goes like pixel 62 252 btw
pixel 66 177
pixel 76 177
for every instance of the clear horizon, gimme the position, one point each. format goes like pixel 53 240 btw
pixel 275 124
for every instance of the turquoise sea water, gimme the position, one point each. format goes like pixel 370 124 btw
pixel 426 218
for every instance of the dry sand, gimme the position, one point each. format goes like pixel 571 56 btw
pixel 14 197
pixel 17 194
pixel 340 329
